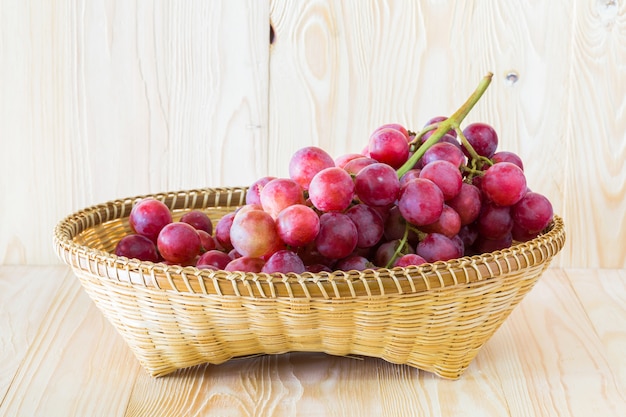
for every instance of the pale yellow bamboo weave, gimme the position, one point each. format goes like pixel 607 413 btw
pixel 435 317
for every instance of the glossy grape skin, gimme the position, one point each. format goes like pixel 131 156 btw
pixel 338 236
pixel 506 156
pixel 179 243
pixel 504 183
pixel 533 212
pixel 389 146
pixel 331 189
pixel 215 258
pixel 253 195
pixel 467 203
pixel 279 194
pixel 377 185
pixel 343 160
pixel 444 151
pixel 222 231
pixel 437 247
pixel 420 202
pixel 298 225
pixel 138 247
pixel 148 217
pixel 369 225
pixel 199 220
pixel 448 224
pixel 356 165
pixel 206 240
pixel 410 175
pixel 253 234
pixel 397 126
pixel 284 261
pixel 354 263
pixel 410 259
pixel 494 221
pixel 306 162
pixel 245 264
pixel 445 175
pixel 482 137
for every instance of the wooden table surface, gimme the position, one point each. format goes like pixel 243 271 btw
pixel 562 352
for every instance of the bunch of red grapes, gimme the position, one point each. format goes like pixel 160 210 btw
pixel 405 200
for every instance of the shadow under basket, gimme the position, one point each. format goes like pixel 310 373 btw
pixel 434 317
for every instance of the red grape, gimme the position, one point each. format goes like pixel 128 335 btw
pixel 342 160
pixel 397 126
pixel 377 185
pixel 199 220
pixel 444 151
pixel 253 234
pixel 445 175
pixel 138 247
pixel 148 217
pixel 279 194
pixel 466 203
pixel 448 224
pixel 356 165
pixel 410 259
pixel 533 212
pixel 369 225
pixel 420 202
pixel 506 156
pixel 482 137
pixel 494 221
pixel 298 225
pixel 389 146
pixel 504 183
pixel 331 189
pixel 222 231
pixel 437 247
pixel 245 264
pixel 215 258
pixel 206 240
pixel 284 261
pixel 385 252
pixel 253 195
pixel 307 162
pixel 338 236
pixel 354 263
pixel 179 243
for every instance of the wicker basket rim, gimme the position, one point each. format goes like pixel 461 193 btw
pixel 435 275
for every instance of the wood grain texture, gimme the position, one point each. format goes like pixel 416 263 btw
pixel 109 99
pixel 560 353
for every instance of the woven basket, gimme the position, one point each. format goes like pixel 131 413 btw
pixel 435 317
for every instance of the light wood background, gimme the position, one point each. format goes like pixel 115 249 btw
pixel 109 99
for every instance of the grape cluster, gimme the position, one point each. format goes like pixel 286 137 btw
pixel 408 198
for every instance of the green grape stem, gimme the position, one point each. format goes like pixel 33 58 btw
pixel 451 123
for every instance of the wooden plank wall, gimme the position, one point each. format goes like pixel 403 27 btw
pixel 110 99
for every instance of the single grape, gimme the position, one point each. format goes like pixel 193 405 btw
pixel 245 264
pixel 389 146
pixel 466 203
pixel 253 234
pixel 504 183
pixel 253 195
pixel 138 247
pixel 338 236
pixel 331 189
pixel 437 247
pixel 482 137
pixel 354 263
pixel 377 185
pixel 445 175
pixel 533 212
pixel 494 221
pixel 444 151
pixel 298 225
pixel 486 245
pixel 279 194
pixel 506 156
pixel 148 217
pixel 199 220
pixel 420 202
pixel 306 162
pixel 222 231
pixel 411 174
pixel 369 225
pixel 179 243
pixel 215 258
pixel 284 261
pixel 468 235
pixel 356 165
pixel 410 259
pixel 448 224
pixel 342 160
pixel 206 240
pixel 397 126
pixel 522 235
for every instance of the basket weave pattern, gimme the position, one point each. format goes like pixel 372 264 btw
pixel 435 317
